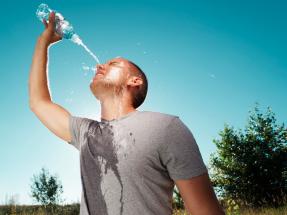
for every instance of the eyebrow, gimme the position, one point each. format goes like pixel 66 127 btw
pixel 113 62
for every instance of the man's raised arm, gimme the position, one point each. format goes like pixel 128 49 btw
pixel 53 116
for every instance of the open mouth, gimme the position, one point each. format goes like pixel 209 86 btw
pixel 99 73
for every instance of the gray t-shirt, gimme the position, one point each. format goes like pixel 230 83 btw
pixel 128 164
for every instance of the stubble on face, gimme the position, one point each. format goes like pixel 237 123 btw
pixel 113 82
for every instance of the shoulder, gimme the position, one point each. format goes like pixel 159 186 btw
pixel 78 119
pixel 158 114
pixel 81 122
pixel 155 120
pixel 166 122
pixel 157 117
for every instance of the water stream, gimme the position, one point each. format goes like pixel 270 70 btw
pixel 77 40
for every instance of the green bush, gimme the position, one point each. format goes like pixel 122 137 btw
pixel 251 167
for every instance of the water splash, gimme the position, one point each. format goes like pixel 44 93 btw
pixel 94 68
pixel 77 40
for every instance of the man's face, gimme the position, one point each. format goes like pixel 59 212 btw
pixel 112 75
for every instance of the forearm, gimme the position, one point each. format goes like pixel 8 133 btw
pixel 53 116
pixel 38 79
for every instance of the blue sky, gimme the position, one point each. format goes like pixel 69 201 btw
pixel 206 61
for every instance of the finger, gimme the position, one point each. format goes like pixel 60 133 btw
pixel 51 21
pixel 45 23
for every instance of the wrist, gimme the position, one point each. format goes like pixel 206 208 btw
pixel 42 42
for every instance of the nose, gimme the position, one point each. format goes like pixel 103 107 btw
pixel 101 67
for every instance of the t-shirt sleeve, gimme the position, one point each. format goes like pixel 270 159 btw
pixel 181 155
pixel 77 126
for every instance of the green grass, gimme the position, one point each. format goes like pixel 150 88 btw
pixel 74 209
pixel 71 210
pixel 260 211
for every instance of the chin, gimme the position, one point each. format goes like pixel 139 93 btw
pixel 91 84
pixel 94 84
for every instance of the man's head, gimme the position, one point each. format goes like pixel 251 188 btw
pixel 120 76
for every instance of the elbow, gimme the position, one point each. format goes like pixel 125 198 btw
pixel 32 106
pixel 36 105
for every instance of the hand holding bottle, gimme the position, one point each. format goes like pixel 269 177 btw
pixel 48 37
pixel 57 29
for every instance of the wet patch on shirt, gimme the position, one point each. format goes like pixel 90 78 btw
pixel 100 145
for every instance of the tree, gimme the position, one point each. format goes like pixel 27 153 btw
pixel 46 189
pixel 251 166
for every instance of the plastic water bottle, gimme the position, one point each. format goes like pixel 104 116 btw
pixel 61 26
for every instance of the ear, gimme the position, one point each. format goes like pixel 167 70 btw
pixel 135 82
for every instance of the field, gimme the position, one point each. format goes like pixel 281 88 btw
pixel 73 209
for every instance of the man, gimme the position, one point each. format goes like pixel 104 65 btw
pixel 131 159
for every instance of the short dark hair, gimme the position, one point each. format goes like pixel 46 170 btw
pixel 142 94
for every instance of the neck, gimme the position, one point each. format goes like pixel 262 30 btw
pixel 115 106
